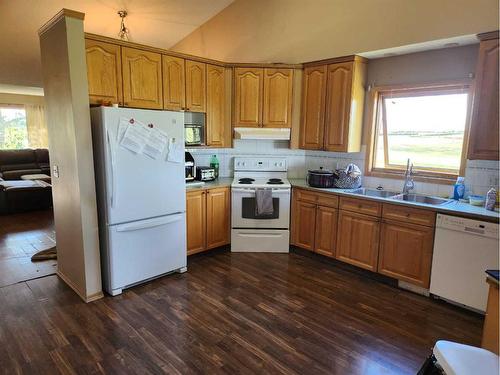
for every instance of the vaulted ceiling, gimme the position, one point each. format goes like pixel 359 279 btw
pixel 160 23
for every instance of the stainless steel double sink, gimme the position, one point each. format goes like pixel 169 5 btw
pixel 425 199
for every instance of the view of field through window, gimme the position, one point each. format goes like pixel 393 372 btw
pixel 13 131
pixel 428 129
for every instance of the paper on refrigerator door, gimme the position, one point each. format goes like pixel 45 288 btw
pixel 122 128
pixel 155 144
pixel 135 137
pixel 175 151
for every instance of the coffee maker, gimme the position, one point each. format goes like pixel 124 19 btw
pixel 190 167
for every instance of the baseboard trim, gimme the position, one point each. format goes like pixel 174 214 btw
pixel 83 296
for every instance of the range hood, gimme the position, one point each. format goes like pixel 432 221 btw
pixel 279 134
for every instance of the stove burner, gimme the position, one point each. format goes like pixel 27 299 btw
pixel 246 180
pixel 275 181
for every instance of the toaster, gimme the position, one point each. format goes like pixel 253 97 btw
pixel 205 173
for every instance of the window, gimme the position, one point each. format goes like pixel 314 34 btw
pixel 427 125
pixel 13 130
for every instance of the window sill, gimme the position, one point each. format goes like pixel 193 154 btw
pixel 442 179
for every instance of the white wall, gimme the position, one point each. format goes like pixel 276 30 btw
pixel 64 68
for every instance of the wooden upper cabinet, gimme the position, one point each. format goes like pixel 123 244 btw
pixel 406 252
pixel 196 221
pixel 332 106
pixel 174 92
pixel 313 108
pixel 142 79
pixel 195 86
pixel 484 133
pixel 338 106
pixel 358 240
pixel 218 217
pixel 104 72
pixel 326 231
pixel 216 106
pixel 248 84
pixel 277 107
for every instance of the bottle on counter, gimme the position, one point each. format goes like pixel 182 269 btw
pixel 459 188
pixel 214 163
pixel 491 198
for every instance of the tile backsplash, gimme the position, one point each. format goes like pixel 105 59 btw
pixel 480 175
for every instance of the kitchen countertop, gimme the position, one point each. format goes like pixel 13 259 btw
pixel 452 208
pixel 217 183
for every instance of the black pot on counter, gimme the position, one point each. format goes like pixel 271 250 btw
pixel 320 178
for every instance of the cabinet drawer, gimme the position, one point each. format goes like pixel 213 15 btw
pixel 409 215
pixel 305 195
pixel 328 200
pixel 361 206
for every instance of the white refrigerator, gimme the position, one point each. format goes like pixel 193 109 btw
pixel 141 199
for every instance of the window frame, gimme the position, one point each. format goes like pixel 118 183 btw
pixel 428 174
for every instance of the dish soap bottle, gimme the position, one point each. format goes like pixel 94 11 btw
pixel 459 189
pixel 214 163
pixel 491 198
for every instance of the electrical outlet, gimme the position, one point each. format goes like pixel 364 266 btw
pixel 55 171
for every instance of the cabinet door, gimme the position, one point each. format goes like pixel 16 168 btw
pixel 338 106
pixel 326 230
pixel 104 72
pixel 195 86
pixel 277 106
pixel 313 108
pixel 196 221
pixel 174 93
pixel 484 132
pixel 248 83
pixel 406 252
pixel 142 81
pixel 216 101
pixel 304 222
pixel 357 240
pixel 218 208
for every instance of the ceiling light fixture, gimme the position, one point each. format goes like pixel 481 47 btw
pixel 124 32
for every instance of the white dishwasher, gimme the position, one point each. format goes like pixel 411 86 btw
pixel 463 250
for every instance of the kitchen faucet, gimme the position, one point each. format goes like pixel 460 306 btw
pixel 409 184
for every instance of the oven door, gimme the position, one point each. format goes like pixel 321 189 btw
pixel 243 210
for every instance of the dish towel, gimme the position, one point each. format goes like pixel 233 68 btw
pixel 264 202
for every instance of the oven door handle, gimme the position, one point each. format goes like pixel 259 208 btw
pixel 252 191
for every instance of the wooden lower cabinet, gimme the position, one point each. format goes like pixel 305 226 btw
pixel 394 240
pixel 304 222
pixel 207 219
pixel 358 240
pixel 196 218
pixel 326 231
pixel 218 217
pixel 406 252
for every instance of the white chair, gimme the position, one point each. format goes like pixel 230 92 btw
pixel 452 358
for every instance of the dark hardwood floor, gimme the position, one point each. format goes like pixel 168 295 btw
pixel 21 236
pixel 230 313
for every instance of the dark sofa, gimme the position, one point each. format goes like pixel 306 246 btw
pixel 17 195
pixel 15 163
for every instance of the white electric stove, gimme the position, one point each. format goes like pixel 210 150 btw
pixel 249 231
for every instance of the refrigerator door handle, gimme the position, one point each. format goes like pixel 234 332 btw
pixel 150 223
pixel 112 160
